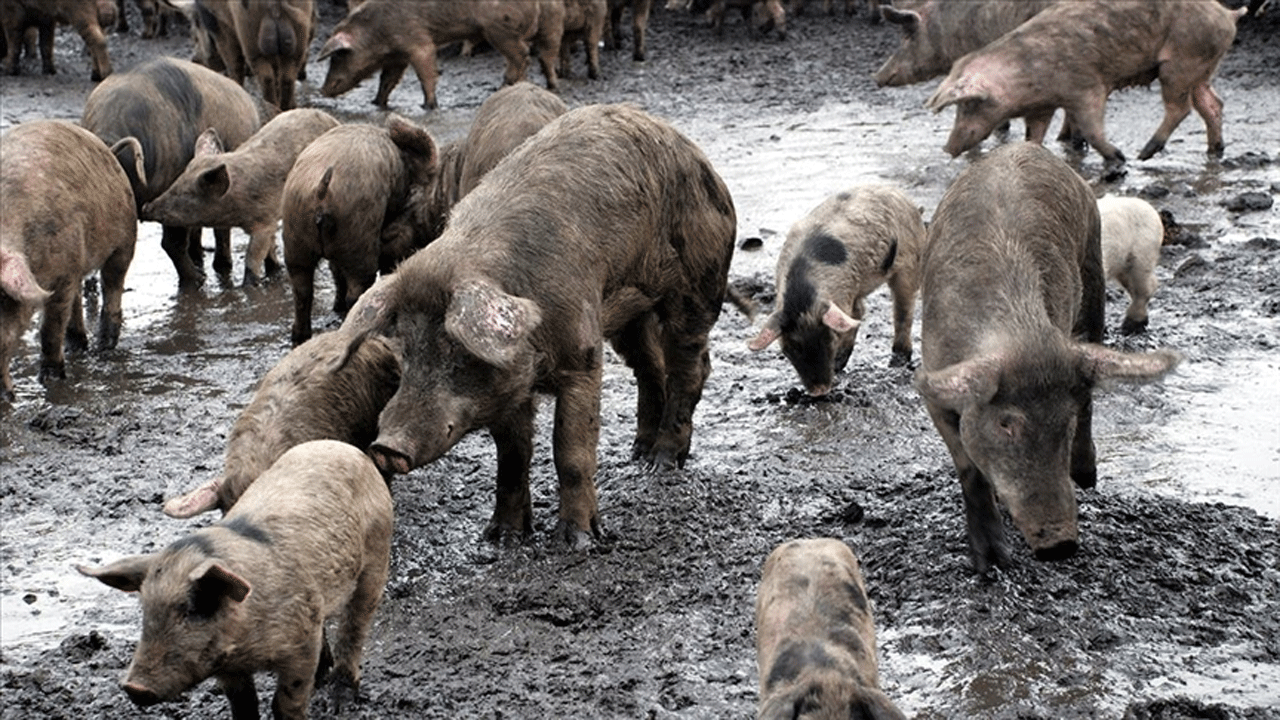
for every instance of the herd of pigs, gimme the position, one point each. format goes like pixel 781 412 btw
pixel 478 311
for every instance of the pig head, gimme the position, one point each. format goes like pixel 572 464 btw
pixel 485 366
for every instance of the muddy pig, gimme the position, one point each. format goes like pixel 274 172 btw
pixel 505 119
pixel 763 15
pixel 517 295
pixel 324 389
pixel 390 35
pixel 273 36
pixel 344 189
pixel 68 211
pixel 1132 234
pixel 165 104
pixel 309 540
pixel 851 244
pixel 242 187
pixel 155 17
pixel 829 7
pixel 1011 277
pixel 583 20
pixel 815 637
pixel 88 19
pixel 1130 42
pixel 640 10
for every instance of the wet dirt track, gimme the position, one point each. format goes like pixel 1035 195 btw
pixel 1170 610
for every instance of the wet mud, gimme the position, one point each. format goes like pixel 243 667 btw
pixel 1170 610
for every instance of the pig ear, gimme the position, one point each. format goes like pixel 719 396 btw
pixel 215 181
pixel 952 91
pixel 124 574
pixel 209 143
pixel 128 152
pixel 18 281
pixel 416 146
pixel 372 312
pixel 213 580
pixel 490 323
pixel 908 19
pixel 194 502
pixel 340 40
pixel 839 320
pixel 1107 364
pixel 768 334
pixel 958 386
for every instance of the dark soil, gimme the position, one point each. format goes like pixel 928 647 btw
pixel 1170 610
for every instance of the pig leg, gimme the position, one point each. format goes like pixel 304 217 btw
pixel 1140 286
pixel 302 278
pixel 424 64
pixel 259 258
pixel 295 681
pixel 387 81
pixel 353 629
pixel 637 343
pixel 221 251
pixel 1177 105
pixel 639 23
pixel 53 328
pixel 175 241
pixel 576 439
pixel 688 364
pixel 1037 123
pixel 1209 106
pixel 13 46
pixel 96 43
pixel 1089 120
pixel 512 519
pixel 981 511
pixel 516 53
pixel 112 315
pixel 241 695
pixel 904 310
pixel 77 338
pixel 45 35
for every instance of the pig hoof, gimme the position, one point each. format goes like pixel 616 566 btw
pixel 504 535
pixel 1085 479
pixel 343 693
pixel 899 359
pixel 1152 147
pixel 573 538
pixel 76 342
pixel 1059 551
pixel 52 371
pixel 1133 327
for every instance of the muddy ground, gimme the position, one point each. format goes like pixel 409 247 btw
pixel 1170 610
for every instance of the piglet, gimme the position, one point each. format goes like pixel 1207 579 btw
pixel 309 540
pixel 1132 234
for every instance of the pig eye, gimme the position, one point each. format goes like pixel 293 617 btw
pixel 202 605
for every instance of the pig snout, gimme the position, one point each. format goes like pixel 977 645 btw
pixel 818 390
pixel 140 695
pixel 389 458
pixel 1058 541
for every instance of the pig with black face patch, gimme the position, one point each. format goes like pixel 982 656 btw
pixel 848 246
pixel 310 539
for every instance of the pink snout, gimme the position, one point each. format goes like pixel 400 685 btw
pixel 389 458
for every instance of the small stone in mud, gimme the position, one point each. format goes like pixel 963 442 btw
pixel 29 598
pixel 751 243
pixel 1248 202
pixel 1250 159
pixel 1193 265
pixel 1153 192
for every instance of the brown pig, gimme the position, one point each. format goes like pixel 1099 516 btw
pixel 155 17
pixel 273 37
pixel 344 189
pixel 851 244
pixel 322 390
pixel 165 104
pixel 640 10
pixel 1011 282
pixel 87 18
pixel 518 295
pixel 68 211
pixel 1089 48
pixel 763 15
pixel 309 540
pixel 242 187
pixel 583 20
pixel 390 35
pixel 829 7
pixel 815 637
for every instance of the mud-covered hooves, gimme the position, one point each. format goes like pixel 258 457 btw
pixel 569 537
pixel 1133 327
pixel 898 360
pixel 1085 479
pixel 505 536
pixel 343 693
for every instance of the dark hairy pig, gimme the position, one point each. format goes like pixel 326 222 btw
pixel 519 293
pixel 88 18
pixel 339 197
pixel 165 104
pixel 390 35
pixel 274 36
pixel 68 211
pixel 324 389
pixel 816 638
pixel 310 540
pixel 1089 48
pixel 640 10
pixel 851 244
pixel 1012 282
pixel 242 188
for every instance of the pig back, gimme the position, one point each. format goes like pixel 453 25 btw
pixel 323 503
pixel 1013 247
pixel 67 202
pixel 166 104
pixel 505 119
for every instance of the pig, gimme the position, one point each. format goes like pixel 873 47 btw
pixel 1132 233
pixel 816 638
pixel 324 389
pixel 309 540
pixel 88 19
pixel 518 294
pixel 341 193
pixel 583 20
pixel 1012 311
pixel 68 211
pixel 763 15
pixel 165 104
pixel 828 6
pixel 391 35
pixel 640 10
pixel 505 119
pixel 1129 42
pixel 155 17
pixel 851 244
pixel 273 37
pixel 243 187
